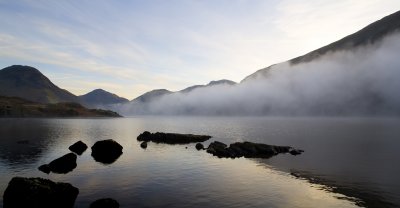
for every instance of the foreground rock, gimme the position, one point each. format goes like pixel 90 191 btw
pixel 106 151
pixel 247 149
pixel 79 147
pixel 39 192
pixel 105 203
pixel 64 164
pixel 171 138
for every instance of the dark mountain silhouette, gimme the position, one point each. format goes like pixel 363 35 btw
pixel 101 97
pixel 369 35
pixel 29 83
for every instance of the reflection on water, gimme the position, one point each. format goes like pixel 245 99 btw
pixel 171 175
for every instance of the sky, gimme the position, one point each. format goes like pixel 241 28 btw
pixel 131 47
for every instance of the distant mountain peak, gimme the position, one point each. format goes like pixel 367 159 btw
pixel 101 97
pixel 222 81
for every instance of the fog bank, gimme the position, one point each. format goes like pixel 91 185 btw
pixel 364 81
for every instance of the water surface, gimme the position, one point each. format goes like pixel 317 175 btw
pixel 348 162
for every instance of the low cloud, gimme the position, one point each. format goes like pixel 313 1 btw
pixel 364 81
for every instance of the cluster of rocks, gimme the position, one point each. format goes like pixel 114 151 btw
pixel 44 193
pixel 105 151
pixel 247 149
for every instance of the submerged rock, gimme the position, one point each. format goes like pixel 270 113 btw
pixel 79 147
pixel 105 203
pixel 199 146
pixel 296 151
pixel 247 149
pixel 143 145
pixel 45 168
pixel 64 164
pixel 172 138
pixel 106 151
pixel 39 193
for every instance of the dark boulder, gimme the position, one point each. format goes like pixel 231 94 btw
pixel 172 138
pixel 105 203
pixel 79 147
pixel 39 193
pixel 106 151
pixel 143 145
pixel 199 146
pixel 64 164
pixel 45 168
pixel 245 149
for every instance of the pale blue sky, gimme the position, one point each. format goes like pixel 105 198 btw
pixel 130 47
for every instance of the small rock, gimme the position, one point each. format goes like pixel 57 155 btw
pixel 106 151
pixel 105 203
pixel 79 147
pixel 39 192
pixel 143 145
pixel 199 146
pixel 45 168
pixel 64 164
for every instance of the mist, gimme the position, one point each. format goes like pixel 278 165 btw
pixel 362 81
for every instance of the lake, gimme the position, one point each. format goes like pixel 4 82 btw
pixel 348 162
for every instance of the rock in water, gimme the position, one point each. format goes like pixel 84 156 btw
pixel 45 168
pixel 106 151
pixel 172 138
pixel 199 146
pixel 39 193
pixel 79 147
pixel 246 149
pixel 105 203
pixel 63 164
pixel 143 145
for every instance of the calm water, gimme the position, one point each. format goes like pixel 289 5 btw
pixel 348 162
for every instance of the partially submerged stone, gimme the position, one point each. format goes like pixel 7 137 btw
pixel 106 151
pixel 247 149
pixel 105 203
pixel 143 145
pixel 64 164
pixel 39 192
pixel 199 146
pixel 172 138
pixel 79 147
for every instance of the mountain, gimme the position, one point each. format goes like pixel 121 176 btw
pixel 152 95
pixel 29 83
pixel 18 107
pixel 101 97
pixel 369 35
pixel 212 83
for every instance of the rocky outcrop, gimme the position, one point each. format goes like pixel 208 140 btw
pixel 105 203
pixel 64 164
pixel 39 193
pixel 79 147
pixel 247 149
pixel 106 151
pixel 172 138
